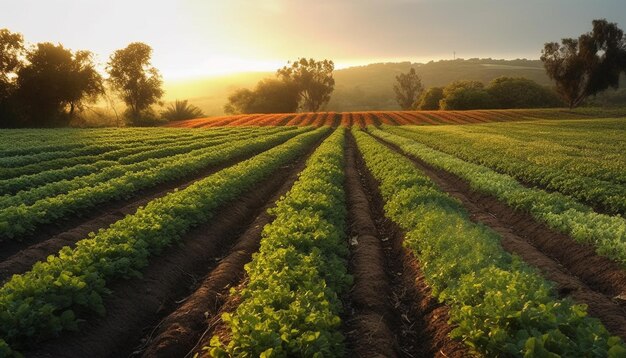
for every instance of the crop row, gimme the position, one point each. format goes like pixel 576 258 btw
pixel 606 233
pixel 291 305
pixel 55 294
pixel 103 152
pixel 532 162
pixel 24 219
pixel 90 148
pixel 499 305
pixel 46 173
pixel 56 182
pixel 33 141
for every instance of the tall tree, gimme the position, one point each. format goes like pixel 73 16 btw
pixel 408 89
pixel 588 65
pixel 132 75
pixel 313 80
pixel 11 51
pixel 55 82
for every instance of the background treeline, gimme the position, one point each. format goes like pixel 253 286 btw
pixel 502 92
pixel 48 85
pixel 370 87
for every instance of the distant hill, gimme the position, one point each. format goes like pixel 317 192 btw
pixel 371 87
pixel 362 88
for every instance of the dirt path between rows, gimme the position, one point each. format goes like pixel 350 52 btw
pixel 178 333
pixel 19 256
pixel 576 269
pixel 137 305
pixel 394 313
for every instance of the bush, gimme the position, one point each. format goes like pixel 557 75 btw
pixel 180 110
pixel 519 92
pixel 429 100
pixel 466 95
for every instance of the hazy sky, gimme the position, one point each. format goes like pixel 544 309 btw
pixel 194 37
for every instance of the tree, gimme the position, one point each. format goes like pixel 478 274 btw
pixel 270 96
pixel 429 100
pixel 240 101
pixel 465 95
pixel 11 51
pixel 519 92
pixel 180 110
pixel 590 64
pixel 55 82
pixel 408 89
pixel 313 80
pixel 135 79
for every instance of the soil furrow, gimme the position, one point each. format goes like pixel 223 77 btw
pixel 421 323
pixel 368 327
pixel 136 305
pixel 177 334
pixel 19 256
pixel 576 269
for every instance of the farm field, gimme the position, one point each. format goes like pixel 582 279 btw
pixel 395 234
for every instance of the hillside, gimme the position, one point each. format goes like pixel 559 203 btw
pixel 363 87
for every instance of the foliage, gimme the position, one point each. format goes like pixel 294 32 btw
pixel 180 110
pixel 269 96
pixel 11 50
pixel 50 173
pixel 55 80
pixel 519 92
pixel 587 65
pixel 498 304
pixel 135 79
pixel 408 89
pixel 291 304
pixel 11 53
pixel 533 154
pixel 606 233
pixel 465 95
pixel 56 294
pixel 429 100
pixel 76 196
pixel 313 80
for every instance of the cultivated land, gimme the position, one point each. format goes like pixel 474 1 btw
pixel 444 233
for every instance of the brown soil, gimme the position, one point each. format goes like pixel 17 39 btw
pixel 575 268
pixel 177 334
pixel 138 304
pixel 19 256
pixel 418 322
pixel 368 327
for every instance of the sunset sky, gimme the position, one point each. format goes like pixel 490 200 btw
pixel 199 38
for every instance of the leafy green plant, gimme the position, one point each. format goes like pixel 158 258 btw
pixel 606 233
pixel 291 305
pixel 499 305
pixel 54 295
pixel 84 193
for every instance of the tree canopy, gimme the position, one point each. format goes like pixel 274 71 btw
pixel 588 65
pixel 132 75
pixel 55 82
pixel 313 81
pixel 519 92
pixel 465 95
pixel 408 88
pixel 429 100
pixel 270 96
